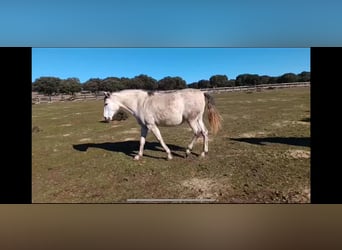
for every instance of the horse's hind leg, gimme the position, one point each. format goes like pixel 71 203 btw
pixel 156 132
pixel 204 132
pixel 195 128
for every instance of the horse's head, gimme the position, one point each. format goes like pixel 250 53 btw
pixel 110 106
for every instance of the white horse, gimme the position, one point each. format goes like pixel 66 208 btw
pixel 170 108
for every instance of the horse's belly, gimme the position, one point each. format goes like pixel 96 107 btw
pixel 169 120
pixel 169 124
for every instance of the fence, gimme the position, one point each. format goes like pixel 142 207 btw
pixel 38 98
pixel 257 87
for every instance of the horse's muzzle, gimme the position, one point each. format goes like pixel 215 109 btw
pixel 107 119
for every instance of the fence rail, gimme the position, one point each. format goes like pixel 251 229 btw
pixel 38 98
pixel 257 87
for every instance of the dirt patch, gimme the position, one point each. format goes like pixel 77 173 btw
pixel 85 139
pixel 116 125
pixel 274 196
pixel 301 123
pixel 200 139
pixel 278 124
pixel 298 154
pixel 66 125
pixel 300 196
pixel 252 134
pixel 66 135
pixel 129 139
pixel 205 187
pixel 50 136
pixel 287 123
pixel 131 131
pixel 240 102
pixel 261 100
pixel 233 117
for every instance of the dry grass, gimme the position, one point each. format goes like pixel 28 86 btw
pixel 261 155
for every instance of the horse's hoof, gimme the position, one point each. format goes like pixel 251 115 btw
pixel 187 152
pixel 136 158
pixel 202 155
pixel 169 157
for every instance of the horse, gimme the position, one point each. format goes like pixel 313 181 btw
pixel 167 108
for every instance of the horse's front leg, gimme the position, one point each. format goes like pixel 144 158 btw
pixel 156 132
pixel 144 131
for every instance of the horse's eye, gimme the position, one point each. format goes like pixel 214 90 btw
pixel 105 104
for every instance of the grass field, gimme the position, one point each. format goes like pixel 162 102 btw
pixel 262 154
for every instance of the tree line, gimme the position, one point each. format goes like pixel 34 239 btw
pixel 250 79
pixel 54 85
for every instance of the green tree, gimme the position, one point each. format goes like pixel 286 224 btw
pixel 126 82
pixel 134 83
pixel 305 76
pixel 70 86
pixel 247 79
pixel 218 81
pixel 231 83
pixel 47 85
pixel 93 85
pixel 146 82
pixel 111 84
pixel 264 79
pixel 193 85
pixel 168 83
pixel 272 80
pixel 287 77
pixel 203 84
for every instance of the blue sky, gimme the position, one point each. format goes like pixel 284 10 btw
pixel 192 64
pixel 176 23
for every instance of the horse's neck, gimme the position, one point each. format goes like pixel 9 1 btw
pixel 130 101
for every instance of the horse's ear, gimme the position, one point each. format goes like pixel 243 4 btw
pixel 107 94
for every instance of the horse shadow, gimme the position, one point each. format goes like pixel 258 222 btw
pixel 295 141
pixel 130 148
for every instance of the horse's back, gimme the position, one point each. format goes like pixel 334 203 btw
pixel 163 108
pixel 179 100
pixel 194 103
pixel 172 108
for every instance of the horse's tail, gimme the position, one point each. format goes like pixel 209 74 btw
pixel 214 116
